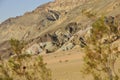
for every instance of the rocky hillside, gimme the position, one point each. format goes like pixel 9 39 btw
pixel 57 25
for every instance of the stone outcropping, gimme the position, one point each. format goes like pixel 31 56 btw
pixel 58 25
pixel 53 15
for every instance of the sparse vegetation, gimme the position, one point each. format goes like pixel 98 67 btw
pixel 23 66
pixel 100 58
pixel 70 36
pixel 17 46
pixel 89 14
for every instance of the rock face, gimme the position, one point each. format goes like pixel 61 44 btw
pixel 53 15
pixel 72 27
pixel 58 25
pixel 66 47
pixel 34 49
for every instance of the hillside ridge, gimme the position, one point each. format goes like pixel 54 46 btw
pixel 55 26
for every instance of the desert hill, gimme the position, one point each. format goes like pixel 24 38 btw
pixel 56 25
pixel 60 31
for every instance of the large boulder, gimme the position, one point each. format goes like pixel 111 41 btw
pixel 48 47
pixel 59 37
pixel 66 47
pixel 34 49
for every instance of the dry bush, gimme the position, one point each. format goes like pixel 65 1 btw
pixel 89 14
pixel 100 58
pixel 23 66
pixel 17 46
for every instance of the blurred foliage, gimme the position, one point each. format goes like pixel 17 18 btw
pixel 23 66
pixel 100 58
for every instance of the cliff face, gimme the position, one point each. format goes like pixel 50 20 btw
pixel 56 22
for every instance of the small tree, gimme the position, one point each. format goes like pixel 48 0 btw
pixel 100 57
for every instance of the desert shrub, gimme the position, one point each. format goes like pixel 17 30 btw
pixel 17 46
pixel 100 58
pixel 23 66
pixel 98 29
pixel 89 14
